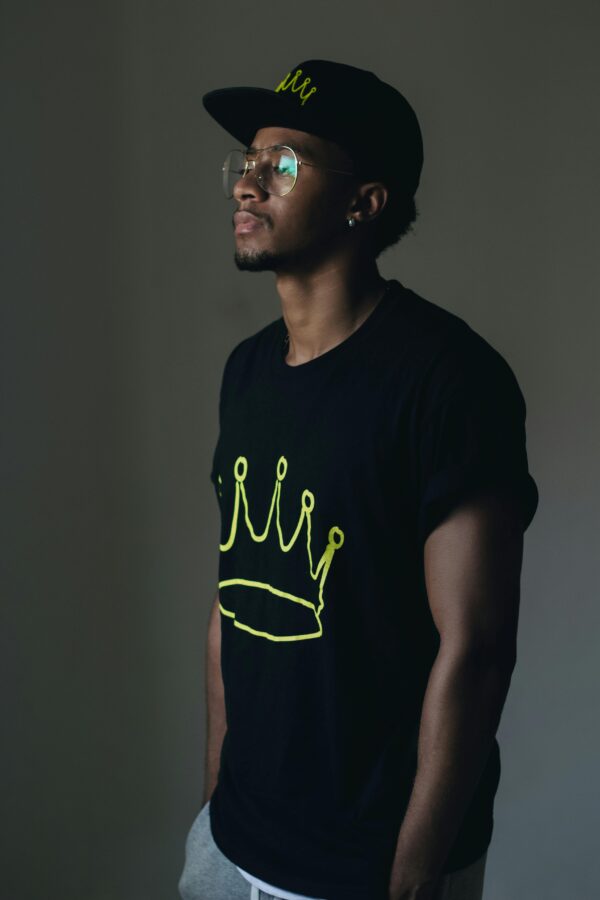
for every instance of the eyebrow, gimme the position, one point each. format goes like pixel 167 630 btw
pixel 299 148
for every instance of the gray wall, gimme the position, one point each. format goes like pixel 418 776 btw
pixel 120 302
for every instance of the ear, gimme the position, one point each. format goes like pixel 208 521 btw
pixel 369 201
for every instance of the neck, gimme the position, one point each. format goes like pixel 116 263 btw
pixel 321 309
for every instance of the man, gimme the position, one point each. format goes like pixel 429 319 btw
pixel 373 484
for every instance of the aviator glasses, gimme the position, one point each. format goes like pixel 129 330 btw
pixel 275 168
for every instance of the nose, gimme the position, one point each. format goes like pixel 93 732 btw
pixel 248 186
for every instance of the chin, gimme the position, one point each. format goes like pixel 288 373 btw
pixel 253 260
pixel 260 260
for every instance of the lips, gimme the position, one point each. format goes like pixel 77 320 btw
pixel 245 221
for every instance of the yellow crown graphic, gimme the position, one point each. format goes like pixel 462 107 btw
pixel 305 611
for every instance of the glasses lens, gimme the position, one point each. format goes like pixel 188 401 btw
pixel 279 173
pixel 233 169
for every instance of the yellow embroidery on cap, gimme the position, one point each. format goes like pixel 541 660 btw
pixel 292 83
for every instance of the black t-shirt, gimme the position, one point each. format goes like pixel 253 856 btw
pixel 329 476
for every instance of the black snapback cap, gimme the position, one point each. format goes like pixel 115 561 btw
pixel 371 120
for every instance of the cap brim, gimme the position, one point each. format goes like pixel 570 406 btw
pixel 241 111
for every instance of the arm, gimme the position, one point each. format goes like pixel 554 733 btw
pixel 216 723
pixel 472 571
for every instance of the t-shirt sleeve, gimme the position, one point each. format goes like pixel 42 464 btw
pixel 212 473
pixel 228 377
pixel 470 434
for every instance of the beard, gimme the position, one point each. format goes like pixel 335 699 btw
pixel 253 260
pixel 263 260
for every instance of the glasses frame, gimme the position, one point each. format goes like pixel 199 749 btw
pixel 251 164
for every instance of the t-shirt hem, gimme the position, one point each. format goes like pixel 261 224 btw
pixel 455 862
pixel 314 889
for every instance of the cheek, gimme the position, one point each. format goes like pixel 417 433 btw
pixel 313 210
pixel 322 212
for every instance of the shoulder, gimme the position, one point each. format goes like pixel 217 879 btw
pixel 244 354
pixel 448 355
pixel 245 361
